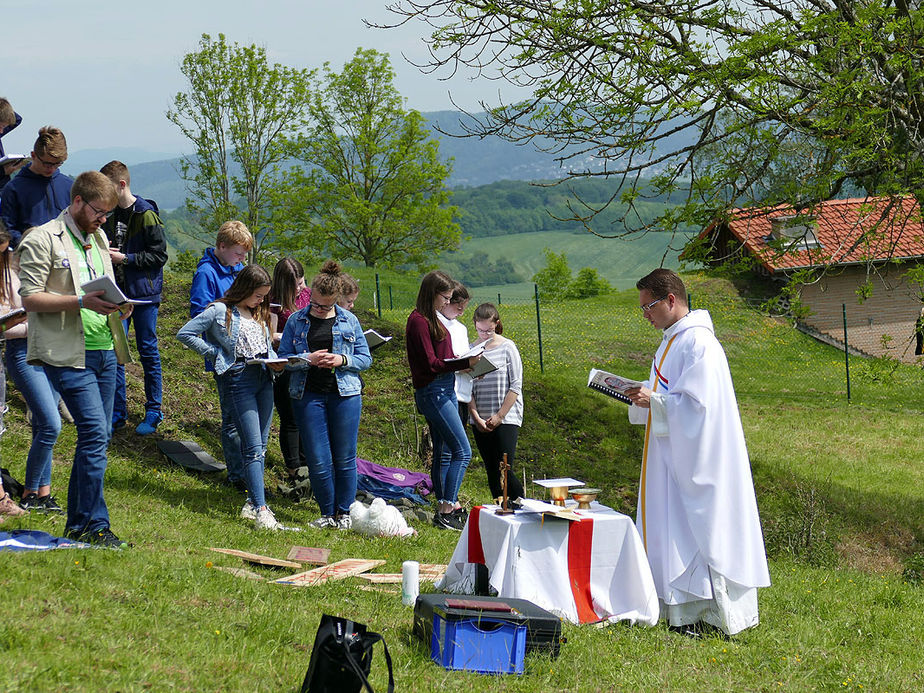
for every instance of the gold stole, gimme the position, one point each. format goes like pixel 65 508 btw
pixel 645 449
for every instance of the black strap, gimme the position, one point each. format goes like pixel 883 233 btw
pixel 368 640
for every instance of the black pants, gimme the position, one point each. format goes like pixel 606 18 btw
pixel 289 442
pixel 491 447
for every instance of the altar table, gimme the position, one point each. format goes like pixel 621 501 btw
pixel 585 571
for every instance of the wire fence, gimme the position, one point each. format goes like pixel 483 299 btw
pixel 770 359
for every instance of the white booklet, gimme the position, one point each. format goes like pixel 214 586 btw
pixel 476 350
pixel 264 362
pixel 111 292
pixel 11 159
pixel 374 339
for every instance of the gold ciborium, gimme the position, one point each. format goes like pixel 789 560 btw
pixel 584 497
pixel 558 495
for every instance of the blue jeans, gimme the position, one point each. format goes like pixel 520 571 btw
pixel 144 318
pixel 437 402
pixel 329 426
pixel 88 393
pixel 230 440
pixel 33 384
pixel 249 391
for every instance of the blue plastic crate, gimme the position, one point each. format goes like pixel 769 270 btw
pixel 485 645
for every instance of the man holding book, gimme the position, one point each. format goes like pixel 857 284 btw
pixel 78 339
pixel 697 514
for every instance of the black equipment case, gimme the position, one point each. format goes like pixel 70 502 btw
pixel 543 627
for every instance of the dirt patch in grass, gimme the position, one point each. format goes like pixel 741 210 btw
pixel 880 552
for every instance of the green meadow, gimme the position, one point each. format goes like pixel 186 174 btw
pixel 840 488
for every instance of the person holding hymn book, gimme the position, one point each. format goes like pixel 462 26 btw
pixel 433 365
pixel 449 316
pixel 287 296
pixel 33 385
pixel 326 393
pixel 496 408
pixel 229 332
pixel 697 514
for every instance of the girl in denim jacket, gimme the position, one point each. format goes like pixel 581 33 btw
pixel 233 332
pixel 326 393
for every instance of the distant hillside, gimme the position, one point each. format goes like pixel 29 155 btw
pixel 508 207
pixel 476 162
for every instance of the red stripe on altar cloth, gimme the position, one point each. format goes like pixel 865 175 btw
pixel 475 550
pixel 580 545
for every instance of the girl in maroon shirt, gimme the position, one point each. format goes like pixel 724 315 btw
pixel 428 347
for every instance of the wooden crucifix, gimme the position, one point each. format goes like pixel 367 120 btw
pixel 505 500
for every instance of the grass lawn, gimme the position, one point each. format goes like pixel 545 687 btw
pixel 840 488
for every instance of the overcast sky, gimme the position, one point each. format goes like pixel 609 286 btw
pixel 106 73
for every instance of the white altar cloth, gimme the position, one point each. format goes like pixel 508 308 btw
pixel 584 571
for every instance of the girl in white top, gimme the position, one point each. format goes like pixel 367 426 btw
pixel 496 408
pixel 231 331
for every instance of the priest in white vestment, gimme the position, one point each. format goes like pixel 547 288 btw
pixel 697 514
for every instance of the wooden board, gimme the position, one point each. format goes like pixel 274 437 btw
pixel 258 559
pixel 429 572
pixel 306 554
pixel 335 571
pixel 240 572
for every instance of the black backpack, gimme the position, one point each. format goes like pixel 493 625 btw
pixel 342 658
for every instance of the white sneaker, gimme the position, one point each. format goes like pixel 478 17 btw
pixel 266 520
pixel 344 522
pixel 323 522
pixel 248 512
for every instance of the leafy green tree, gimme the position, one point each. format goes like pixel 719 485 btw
pixel 587 283
pixel 239 112
pixel 374 188
pixel 729 103
pixel 553 279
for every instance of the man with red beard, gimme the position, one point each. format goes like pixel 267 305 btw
pixel 78 339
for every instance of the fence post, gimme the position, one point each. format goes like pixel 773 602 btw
pixel 498 298
pixel 378 295
pixel 391 305
pixel 846 354
pixel 539 328
pixel 690 301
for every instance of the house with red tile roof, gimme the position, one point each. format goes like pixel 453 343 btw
pixel 848 246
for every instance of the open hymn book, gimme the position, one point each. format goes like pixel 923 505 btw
pixel 612 385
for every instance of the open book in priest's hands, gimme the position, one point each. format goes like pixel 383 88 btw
pixel 611 384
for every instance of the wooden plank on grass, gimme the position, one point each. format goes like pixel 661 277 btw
pixel 258 559
pixel 306 554
pixel 429 572
pixel 335 571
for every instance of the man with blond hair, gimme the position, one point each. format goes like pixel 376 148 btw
pixel 9 120
pixel 37 194
pixel 214 275
pixel 78 339
pixel 138 250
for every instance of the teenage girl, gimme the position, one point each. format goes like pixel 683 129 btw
pixel 428 347
pixel 231 331
pixel 34 386
pixel 326 393
pixel 289 294
pixel 496 408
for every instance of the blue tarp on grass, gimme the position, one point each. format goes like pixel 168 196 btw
pixel 33 540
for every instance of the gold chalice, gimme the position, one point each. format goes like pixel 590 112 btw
pixel 584 497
